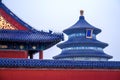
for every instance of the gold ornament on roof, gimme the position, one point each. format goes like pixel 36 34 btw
pixel 81 12
pixel 5 24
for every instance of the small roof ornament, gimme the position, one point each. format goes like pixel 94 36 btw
pixel 81 12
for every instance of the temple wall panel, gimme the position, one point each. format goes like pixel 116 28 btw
pixel 13 54
pixel 58 74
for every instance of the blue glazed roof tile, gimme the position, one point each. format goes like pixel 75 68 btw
pixel 30 35
pixel 82 53
pixel 64 64
pixel 27 36
pixel 82 41
pixel 81 24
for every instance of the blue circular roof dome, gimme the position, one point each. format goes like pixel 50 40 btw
pixel 81 24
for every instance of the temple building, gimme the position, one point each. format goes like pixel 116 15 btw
pixel 82 43
pixel 82 56
pixel 20 40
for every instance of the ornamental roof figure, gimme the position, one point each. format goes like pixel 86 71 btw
pixel 82 43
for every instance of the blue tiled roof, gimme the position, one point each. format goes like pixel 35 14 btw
pixel 31 63
pixel 82 53
pixel 82 41
pixel 27 36
pixel 16 18
pixel 81 24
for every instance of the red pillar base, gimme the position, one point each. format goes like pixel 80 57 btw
pixel 40 54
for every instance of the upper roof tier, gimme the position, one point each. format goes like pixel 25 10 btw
pixel 81 24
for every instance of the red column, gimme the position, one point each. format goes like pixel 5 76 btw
pixel 41 54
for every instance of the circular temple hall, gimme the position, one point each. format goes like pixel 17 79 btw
pixel 82 43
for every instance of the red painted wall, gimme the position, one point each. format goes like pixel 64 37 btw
pixel 58 74
pixel 13 54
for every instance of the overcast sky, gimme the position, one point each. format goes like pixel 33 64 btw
pixel 58 15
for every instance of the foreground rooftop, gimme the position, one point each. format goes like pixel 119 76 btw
pixel 58 64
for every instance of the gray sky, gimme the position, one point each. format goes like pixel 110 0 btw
pixel 58 15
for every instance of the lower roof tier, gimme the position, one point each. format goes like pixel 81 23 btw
pixel 64 64
pixel 82 53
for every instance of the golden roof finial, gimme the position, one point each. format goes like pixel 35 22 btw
pixel 81 12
